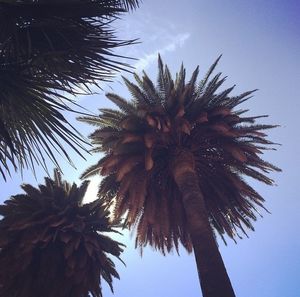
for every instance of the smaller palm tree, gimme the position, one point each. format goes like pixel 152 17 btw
pixel 53 245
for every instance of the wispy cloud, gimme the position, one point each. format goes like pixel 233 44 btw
pixel 173 42
pixel 176 42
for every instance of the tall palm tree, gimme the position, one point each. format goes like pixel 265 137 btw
pixel 53 245
pixel 50 48
pixel 174 160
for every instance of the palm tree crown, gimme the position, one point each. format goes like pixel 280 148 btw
pixel 49 49
pixel 53 245
pixel 142 140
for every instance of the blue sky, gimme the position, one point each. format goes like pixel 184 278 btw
pixel 260 43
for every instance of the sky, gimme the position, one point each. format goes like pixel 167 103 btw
pixel 260 43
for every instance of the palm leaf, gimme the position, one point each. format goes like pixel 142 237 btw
pixel 47 49
pixel 32 125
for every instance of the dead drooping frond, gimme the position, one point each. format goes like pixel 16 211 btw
pixel 49 48
pixel 53 245
pixel 140 142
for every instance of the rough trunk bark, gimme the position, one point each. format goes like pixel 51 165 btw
pixel 212 273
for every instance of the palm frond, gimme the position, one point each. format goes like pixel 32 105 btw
pixel 125 106
pixel 49 49
pixel 32 125
pixel 130 4
pixel 138 95
pixel 71 45
pixel 180 80
pixel 203 82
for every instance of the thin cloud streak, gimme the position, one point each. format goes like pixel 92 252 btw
pixel 178 41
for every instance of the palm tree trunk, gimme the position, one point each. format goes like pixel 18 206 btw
pixel 212 273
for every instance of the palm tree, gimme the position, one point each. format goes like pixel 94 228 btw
pixel 49 49
pixel 53 245
pixel 174 161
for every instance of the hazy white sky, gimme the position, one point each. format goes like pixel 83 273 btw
pixel 260 42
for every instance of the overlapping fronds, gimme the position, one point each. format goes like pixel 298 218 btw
pixel 49 48
pixel 69 42
pixel 31 124
pixel 53 245
pixel 141 141
pixel 130 4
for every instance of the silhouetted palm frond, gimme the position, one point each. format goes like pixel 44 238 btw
pixel 31 123
pixel 53 245
pixel 130 4
pixel 47 49
pixel 69 42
